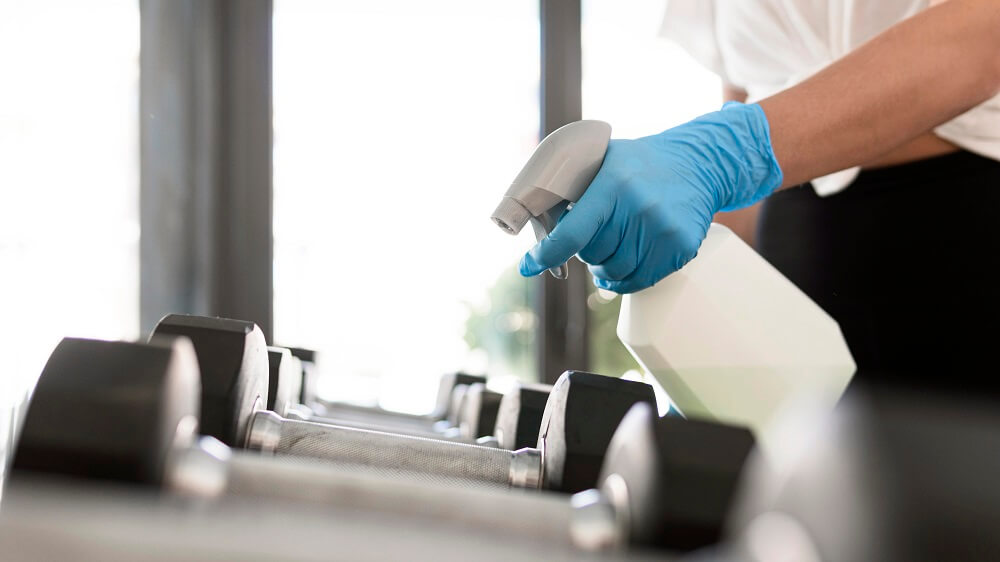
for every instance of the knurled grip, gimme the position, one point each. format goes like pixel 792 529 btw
pixel 209 469
pixel 522 513
pixel 382 418
pixel 412 430
pixel 390 454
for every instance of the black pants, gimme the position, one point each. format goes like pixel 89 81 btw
pixel 906 261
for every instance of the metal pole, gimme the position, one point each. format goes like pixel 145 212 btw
pixel 205 196
pixel 561 305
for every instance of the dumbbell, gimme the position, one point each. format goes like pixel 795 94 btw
pixel 477 414
pixel 478 417
pixel 519 416
pixel 523 411
pixel 473 407
pixel 128 412
pixel 580 416
pixel 471 414
pixel 308 404
pixel 310 375
pixel 284 389
pixel 442 418
pixel 284 383
pixel 436 420
pixel 512 419
pixel 894 474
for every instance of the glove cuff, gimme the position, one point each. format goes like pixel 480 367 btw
pixel 757 171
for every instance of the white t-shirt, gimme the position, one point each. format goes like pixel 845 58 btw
pixel 765 46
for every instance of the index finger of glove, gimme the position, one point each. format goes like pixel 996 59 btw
pixel 572 234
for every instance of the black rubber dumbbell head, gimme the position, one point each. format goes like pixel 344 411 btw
pixel 303 354
pixel 478 412
pixel 235 371
pixel 894 474
pixel 307 362
pixel 455 402
pixel 520 416
pixel 284 380
pixel 581 415
pixel 445 404
pixel 110 410
pixel 675 478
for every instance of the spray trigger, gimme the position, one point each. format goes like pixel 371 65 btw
pixel 542 225
pixel 555 177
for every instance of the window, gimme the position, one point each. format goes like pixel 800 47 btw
pixel 397 128
pixel 69 226
pixel 641 84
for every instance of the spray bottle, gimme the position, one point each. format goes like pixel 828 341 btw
pixel 728 337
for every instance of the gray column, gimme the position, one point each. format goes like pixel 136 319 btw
pixel 205 196
pixel 562 338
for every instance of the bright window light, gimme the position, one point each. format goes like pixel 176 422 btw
pixel 397 127
pixel 69 221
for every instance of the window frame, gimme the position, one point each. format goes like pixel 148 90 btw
pixel 206 156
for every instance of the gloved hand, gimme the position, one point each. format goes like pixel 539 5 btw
pixel 648 209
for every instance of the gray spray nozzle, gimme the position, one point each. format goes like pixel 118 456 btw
pixel 511 215
pixel 557 174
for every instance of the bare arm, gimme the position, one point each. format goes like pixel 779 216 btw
pixel 911 78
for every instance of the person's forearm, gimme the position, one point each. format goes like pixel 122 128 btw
pixel 915 76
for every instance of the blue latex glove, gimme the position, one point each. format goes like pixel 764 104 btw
pixel 648 209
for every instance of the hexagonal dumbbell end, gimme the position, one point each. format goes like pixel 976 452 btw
pixel 895 474
pixel 674 478
pixel 235 371
pixel 520 415
pixel 447 404
pixel 582 413
pixel 110 410
pixel 284 380
pixel 454 407
pixel 478 413
pixel 308 361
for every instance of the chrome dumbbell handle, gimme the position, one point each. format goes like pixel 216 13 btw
pixel 415 431
pixel 362 414
pixel 210 469
pixel 391 455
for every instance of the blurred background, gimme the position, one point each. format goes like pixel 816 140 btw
pixel 324 168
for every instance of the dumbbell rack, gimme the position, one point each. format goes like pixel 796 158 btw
pixel 129 412
pixel 112 524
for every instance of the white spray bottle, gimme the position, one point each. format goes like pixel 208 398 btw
pixel 728 337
